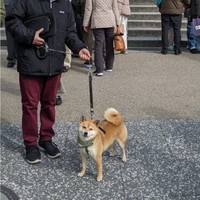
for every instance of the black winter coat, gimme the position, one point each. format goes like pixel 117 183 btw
pixel 28 61
pixel 195 8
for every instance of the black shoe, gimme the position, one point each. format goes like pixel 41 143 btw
pixel 58 101
pixel 10 64
pixel 97 73
pixel 177 52
pixel 164 52
pixel 50 148
pixel 194 51
pixel 65 69
pixel 33 155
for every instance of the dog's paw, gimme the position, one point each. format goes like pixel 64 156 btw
pixel 99 178
pixel 124 159
pixel 80 174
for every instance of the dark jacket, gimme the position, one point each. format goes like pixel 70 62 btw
pixel 52 64
pixel 173 7
pixel 195 8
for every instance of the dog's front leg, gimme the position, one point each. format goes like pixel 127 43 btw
pixel 98 160
pixel 83 165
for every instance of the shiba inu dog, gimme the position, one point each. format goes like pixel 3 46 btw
pixel 96 136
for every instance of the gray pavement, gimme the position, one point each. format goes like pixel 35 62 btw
pixel 159 97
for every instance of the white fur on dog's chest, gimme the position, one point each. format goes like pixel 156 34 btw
pixel 91 151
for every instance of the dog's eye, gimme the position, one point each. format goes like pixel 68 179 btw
pixel 84 127
pixel 90 129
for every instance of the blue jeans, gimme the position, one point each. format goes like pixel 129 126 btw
pixel 193 41
pixel 197 42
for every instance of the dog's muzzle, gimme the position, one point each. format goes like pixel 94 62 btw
pixel 85 134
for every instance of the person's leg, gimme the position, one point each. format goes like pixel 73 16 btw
pixel 197 39
pixel 11 46
pixel 47 113
pixel 190 36
pixel 124 21
pixel 89 41
pixel 11 49
pixel 165 21
pixel 109 60
pixel 176 23
pixel 47 116
pixel 31 88
pixel 98 49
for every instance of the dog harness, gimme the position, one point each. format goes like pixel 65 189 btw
pixel 85 144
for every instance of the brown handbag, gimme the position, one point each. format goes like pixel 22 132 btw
pixel 119 44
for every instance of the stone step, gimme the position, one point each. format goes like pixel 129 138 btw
pixel 148 42
pixel 144 8
pixel 142 2
pixel 145 16
pixel 148 31
pixel 149 23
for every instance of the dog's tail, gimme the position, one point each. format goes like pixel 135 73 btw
pixel 113 116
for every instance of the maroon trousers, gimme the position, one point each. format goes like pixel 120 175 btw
pixel 35 89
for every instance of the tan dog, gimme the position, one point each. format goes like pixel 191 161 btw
pixel 95 137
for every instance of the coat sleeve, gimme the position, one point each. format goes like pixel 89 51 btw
pixel 14 23
pixel 87 13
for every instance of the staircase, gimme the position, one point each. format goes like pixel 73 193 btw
pixel 144 26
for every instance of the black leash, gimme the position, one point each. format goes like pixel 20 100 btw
pixel 90 90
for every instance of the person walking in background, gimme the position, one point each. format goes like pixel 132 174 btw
pixel 124 11
pixel 85 36
pixel 171 12
pixel 40 69
pixel 193 44
pixel 102 16
pixel 195 12
pixel 11 46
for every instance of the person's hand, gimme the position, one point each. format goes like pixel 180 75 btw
pixel 37 39
pixel 84 54
pixel 85 28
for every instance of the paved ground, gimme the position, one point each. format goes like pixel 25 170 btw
pixel 159 97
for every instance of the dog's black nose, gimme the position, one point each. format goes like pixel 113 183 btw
pixel 85 134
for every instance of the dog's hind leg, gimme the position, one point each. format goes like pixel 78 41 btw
pixel 122 144
pixel 114 151
pixel 83 165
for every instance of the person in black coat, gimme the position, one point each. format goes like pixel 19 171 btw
pixel 40 67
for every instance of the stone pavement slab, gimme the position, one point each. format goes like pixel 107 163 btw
pixel 163 164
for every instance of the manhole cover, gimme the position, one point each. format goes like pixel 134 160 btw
pixel 8 194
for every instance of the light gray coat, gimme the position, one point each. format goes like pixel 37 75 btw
pixel 101 14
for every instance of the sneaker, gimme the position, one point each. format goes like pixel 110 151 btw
pixel 58 101
pixel 10 64
pixel 194 51
pixel 50 148
pixel 65 69
pixel 164 52
pixel 87 64
pixel 97 73
pixel 108 70
pixel 33 155
pixel 124 52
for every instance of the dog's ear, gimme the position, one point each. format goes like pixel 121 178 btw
pixel 82 119
pixel 96 122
